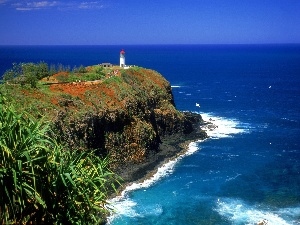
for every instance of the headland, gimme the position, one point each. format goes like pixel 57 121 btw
pixel 128 114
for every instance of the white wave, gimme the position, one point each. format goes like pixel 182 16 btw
pixel 175 86
pixel 125 207
pixel 121 205
pixel 238 212
pixel 161 172
pixel 221 127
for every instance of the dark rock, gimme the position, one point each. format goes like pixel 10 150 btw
pixel 140 133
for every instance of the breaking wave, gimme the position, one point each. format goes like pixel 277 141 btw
pixel 218 127
pixel 239 212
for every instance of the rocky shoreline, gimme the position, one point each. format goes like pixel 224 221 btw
pixel 171 147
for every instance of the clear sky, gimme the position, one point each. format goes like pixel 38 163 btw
pixel 120 22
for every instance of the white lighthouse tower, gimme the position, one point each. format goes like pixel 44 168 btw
pixel 122 58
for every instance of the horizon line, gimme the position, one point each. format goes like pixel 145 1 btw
pixel 283 43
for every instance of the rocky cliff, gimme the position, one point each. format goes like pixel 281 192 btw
pixel 137 111
pixel 129 115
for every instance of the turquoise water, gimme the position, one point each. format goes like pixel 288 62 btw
pixel 248 170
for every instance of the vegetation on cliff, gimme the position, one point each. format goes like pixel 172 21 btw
pixel 95 113
pixel 41 181
pixel 32 73
pixel 123 114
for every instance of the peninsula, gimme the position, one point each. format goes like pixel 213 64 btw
pixel 128 114
pixel 125 114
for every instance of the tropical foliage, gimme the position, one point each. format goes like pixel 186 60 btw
pixel 26 73
pixel 31 73
pixel 43 183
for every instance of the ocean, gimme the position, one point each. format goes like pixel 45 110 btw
pixel 248 171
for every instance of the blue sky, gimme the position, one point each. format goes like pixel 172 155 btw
pixel 119 22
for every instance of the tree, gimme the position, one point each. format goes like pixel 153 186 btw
pixel 31 78
pixel 27 73
pixel 42 70
pixel 82 69
pixel 52 70
pixel 13 73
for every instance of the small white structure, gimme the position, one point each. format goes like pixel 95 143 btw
pixel 122 58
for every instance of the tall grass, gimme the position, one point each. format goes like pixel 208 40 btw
pixel 41 182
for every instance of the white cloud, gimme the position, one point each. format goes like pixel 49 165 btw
pixel 23 9
pixel 34 5
pixel 90 5
pixel 3 2
pixel 71 5
pixel 42 4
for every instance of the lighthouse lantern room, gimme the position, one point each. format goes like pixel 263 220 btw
pixel 122 58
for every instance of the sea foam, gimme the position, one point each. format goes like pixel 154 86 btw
pixel 122 205
pixel 239 212
pixel 220 128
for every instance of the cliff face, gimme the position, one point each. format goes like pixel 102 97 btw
pixel 126 114
pixel 137 110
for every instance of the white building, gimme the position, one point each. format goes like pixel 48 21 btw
pixel 122 58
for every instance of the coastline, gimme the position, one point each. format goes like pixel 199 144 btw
pixel 172 149
pixel 150 177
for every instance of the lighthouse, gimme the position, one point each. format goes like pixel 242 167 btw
pixel 122 58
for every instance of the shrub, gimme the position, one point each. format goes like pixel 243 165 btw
pixel 26 73
pixel 39 70
pixel 99 70
pixel 82 69
pixel 42 182
pixel 13 73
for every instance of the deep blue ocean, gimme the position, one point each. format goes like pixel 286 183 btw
pixel 249 169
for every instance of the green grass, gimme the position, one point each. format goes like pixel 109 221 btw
pixel 83 75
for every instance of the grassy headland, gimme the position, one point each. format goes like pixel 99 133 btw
pixel 125 116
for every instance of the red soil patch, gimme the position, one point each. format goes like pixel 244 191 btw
pixel 34 94
pixel 75 89
pixel 99 90
pixel 54 101
pixel 53 78
pixel 82 89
